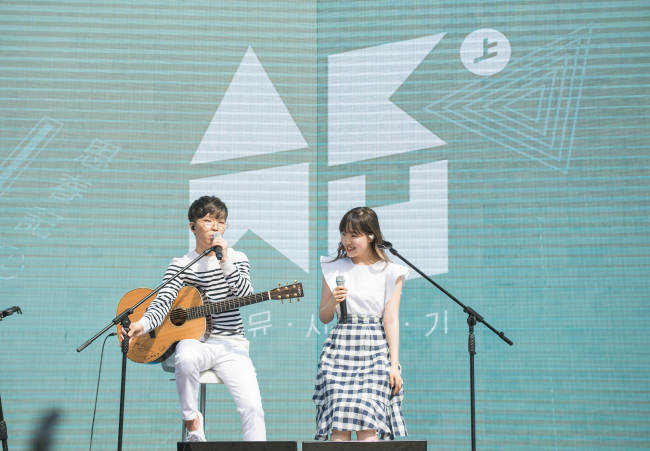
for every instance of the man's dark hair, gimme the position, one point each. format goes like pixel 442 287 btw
pixel 207 205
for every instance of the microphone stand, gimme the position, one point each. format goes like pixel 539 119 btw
pixel 472 319
pixel 3 425
pixel 3 430
pixel 123 319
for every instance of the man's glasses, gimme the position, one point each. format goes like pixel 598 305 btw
pixel 209 224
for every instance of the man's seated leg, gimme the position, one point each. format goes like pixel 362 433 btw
pixel 192 357
pixel 236 370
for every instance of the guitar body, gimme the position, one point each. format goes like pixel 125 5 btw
pixel 160 343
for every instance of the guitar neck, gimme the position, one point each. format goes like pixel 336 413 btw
pixel 210 308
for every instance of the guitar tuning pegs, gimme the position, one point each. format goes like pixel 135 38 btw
pixel 281 301
pixel 279 285
pixel 295 281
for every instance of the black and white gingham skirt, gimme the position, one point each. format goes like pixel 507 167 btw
pixel 352 391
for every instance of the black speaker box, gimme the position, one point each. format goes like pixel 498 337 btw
pixel 237 446
pixel 382 445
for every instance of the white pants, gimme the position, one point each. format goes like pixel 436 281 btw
pixel 233 365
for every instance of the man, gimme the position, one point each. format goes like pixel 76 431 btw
pixel 226 351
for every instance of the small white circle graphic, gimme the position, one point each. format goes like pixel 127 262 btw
pixel 485 52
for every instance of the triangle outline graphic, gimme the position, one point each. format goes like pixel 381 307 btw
pixel 534 127
pixel 538 98
pixel 455 106
pixel 471 96
pixel 535 132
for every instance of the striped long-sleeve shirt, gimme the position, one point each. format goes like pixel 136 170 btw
pixel 219 281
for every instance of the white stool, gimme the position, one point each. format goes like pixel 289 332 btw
pixel 205 377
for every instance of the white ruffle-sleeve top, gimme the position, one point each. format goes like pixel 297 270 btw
pixel 370 287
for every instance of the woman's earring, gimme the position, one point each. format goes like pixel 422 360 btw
pixel 372 237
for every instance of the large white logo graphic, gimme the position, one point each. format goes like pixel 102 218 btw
pixel 363 123
pixel 251 119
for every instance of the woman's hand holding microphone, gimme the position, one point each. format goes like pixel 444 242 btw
pixel 339 294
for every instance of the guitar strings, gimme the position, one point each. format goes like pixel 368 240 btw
pixel 229 304
pixel 179 315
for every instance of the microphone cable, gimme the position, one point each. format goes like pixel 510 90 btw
pixel 92 428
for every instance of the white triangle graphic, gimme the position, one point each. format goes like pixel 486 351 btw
pixel 251 119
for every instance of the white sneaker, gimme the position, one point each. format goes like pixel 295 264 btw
pixel 199 434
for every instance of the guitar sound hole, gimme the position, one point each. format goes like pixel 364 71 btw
pixel 178 317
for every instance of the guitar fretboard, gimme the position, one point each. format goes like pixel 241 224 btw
pixel 210 308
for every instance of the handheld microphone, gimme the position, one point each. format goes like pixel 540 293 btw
pixel 217 249
pixel 340 282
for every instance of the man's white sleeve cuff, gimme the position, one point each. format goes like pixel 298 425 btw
pixel 146 325
pixel 228 267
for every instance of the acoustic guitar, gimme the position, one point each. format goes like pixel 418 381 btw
pixel 189 317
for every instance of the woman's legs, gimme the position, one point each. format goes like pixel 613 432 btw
pixel 367 435
pixel 338 436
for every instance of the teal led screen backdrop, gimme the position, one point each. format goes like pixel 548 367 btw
pixel 503 145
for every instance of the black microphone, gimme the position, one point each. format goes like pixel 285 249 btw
pixel 340 282
pixel 385 245
pixel 10 311
pixel 217 249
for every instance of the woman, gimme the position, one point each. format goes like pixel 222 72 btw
pixel 359 386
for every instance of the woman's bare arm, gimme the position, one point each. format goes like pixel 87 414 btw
pixel 329 301
pixel 391 327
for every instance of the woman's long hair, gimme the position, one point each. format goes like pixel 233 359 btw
pixel 362 221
